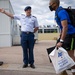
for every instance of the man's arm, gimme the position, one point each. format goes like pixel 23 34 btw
pixel 6 13
pixel 36 25
pixel 64 31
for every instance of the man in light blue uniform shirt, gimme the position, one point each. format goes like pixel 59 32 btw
pixel 29 25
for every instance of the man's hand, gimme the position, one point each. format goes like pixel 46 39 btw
pixel 6 13
pixel 59 44
pixel 35 30
pixel 2 10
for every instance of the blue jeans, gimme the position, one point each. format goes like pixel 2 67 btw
pixel 27 43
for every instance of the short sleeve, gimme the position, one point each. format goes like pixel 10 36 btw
pixel 17 17
pixel 63 15
pixel 36 23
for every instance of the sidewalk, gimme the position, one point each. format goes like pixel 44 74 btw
pixel 12 58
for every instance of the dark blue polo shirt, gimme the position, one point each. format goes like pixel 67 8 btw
pixel 63 15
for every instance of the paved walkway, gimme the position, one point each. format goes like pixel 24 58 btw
pixel 12 57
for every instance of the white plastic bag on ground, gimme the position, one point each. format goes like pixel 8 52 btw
pixel 61 60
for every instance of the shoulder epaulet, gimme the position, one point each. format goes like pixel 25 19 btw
pixel 34 16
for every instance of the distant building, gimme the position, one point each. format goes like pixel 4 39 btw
pixel 49 29
pixel 8 26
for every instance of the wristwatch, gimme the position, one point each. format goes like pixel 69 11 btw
pixel 62 41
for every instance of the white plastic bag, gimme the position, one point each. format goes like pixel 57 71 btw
pixel 61 60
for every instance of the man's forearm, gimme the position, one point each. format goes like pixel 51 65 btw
pixel 64 31
pixel 8 14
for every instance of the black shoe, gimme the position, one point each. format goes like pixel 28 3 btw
pixel 32 66
pixel 1 63
pixel 25 65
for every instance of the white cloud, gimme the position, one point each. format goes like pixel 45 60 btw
pixel 39 9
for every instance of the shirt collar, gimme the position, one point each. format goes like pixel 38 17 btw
pixel 58 8
pixel 29 16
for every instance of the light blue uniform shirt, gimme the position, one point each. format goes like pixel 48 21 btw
pixel 28 23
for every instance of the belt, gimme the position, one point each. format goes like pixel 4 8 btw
pixel 27 32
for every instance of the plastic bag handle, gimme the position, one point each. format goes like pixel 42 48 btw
pixel 57 48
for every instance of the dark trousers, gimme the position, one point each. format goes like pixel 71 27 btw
pixel 27 43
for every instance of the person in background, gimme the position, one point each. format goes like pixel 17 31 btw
pixel 67 34
pixel 29 25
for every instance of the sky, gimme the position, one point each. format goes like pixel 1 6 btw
pixel 40 9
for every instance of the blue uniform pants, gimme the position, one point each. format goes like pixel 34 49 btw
pixel 27 43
